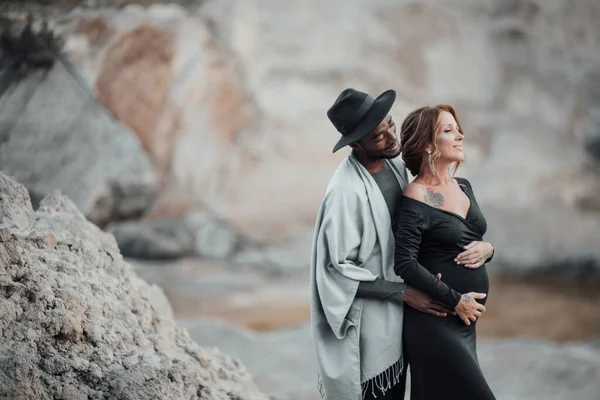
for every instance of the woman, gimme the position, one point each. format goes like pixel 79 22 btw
pixel 440 229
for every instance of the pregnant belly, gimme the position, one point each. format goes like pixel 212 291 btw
pixel 461 278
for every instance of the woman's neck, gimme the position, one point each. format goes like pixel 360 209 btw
pixel 442 177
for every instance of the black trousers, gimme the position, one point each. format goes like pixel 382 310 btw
pixel 395 393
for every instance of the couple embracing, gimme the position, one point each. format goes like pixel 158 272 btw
pixel 398 277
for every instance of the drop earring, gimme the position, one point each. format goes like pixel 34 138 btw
pixel 430 160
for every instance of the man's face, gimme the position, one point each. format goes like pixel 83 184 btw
pixel 381 142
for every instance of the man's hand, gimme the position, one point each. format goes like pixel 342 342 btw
pixel 425 303
pixel 475 254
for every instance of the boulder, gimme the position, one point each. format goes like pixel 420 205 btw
pixel 161 72
pixel 77 323
pixel 56 136
pixel 154 239
pixel 214 237
pixel 195 234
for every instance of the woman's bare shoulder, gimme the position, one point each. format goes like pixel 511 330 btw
pixel 424 194
pixel 415 191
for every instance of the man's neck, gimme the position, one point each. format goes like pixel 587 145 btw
pixel 371 164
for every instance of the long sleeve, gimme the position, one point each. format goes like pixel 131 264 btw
pixel 409 230
pixel 381 289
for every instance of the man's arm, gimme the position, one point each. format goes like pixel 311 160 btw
pixel 381 289
pixel 399 292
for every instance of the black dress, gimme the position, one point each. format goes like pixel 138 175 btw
pixel 441 352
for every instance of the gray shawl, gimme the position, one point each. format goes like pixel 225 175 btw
pixel 358 342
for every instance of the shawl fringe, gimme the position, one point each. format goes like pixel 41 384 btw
pixel 321 388
pixel 383 382
pixel 378 385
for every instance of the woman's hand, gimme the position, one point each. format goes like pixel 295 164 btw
pixel 424 303
pixel 468 308
pixel 475 254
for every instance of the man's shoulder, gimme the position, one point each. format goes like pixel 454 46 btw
pixel 346 178
pixel 346 184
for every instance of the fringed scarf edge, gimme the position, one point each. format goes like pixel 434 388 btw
pixel 381 383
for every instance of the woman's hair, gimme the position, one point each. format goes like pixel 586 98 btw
pixel 419 129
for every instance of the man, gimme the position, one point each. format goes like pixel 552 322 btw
pixel 356 298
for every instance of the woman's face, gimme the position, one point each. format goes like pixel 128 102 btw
pixel 449 139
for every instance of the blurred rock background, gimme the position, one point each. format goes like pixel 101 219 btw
pixel 195 132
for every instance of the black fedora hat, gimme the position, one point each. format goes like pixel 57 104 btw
pixel 354 114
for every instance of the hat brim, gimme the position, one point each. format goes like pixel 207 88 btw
pixel 380 108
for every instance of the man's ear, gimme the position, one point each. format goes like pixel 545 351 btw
pixel 356 145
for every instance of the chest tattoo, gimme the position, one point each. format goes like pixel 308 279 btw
pixel 434 199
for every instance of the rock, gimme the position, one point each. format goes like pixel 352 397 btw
pixel 551 241
pixel 515 368
pixel 282 259
pixel 162 72
pixel 154 239
pixel 56 137
pixel 142 59
pixel 15 206
pixel 522 74
pixel 585 126
pixel 77 323
pixel 197 234
pixel 214 238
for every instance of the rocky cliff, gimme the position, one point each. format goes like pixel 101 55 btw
pixel 230 96
pixel 77 323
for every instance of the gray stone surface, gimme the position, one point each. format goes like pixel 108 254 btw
pixel 283 363
pixel 77 323
pixel 154 239
pixel 523 76
pixel 196 234
pixel 214 237
pixel 55 136
pixel 15 207
pixel 282 259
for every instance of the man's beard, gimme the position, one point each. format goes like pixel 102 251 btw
pixel 391 155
